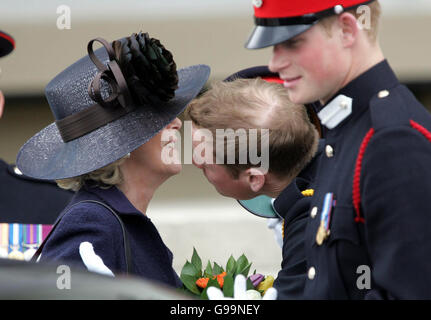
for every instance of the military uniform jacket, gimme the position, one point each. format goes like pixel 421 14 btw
pixel 377 166
pixel 91 222
pixel 293 206
pixel 27 200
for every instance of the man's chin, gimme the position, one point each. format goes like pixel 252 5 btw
pixel 298 98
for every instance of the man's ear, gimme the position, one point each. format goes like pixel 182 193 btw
pixel 255 178
pixel 1 103
pixel 349 28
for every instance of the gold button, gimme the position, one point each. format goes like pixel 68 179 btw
pixel 329 151
pixel 313 213
pixel 383 94
pixel 311 273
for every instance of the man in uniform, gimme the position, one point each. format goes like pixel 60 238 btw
pixel 368 231
pixel 27 206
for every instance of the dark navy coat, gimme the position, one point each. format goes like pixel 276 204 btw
pixel 91 222
pixel 294 207
pixel 377 164
pixel 29 201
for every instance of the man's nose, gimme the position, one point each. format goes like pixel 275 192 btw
pixel 279 59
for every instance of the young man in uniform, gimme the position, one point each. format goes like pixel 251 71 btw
pixel 28 206
pixel 273 192
pixel 368 231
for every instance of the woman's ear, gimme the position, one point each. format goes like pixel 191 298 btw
pixel 349 28
pixel 1 103
pixel 255 179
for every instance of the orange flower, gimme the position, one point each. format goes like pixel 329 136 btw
pixel 203 282
pixel 220 278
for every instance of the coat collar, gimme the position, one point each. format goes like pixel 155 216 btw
pixel 111 196
pixel 362 89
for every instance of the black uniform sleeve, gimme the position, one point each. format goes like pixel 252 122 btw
pixel 396 204
pixel 291 278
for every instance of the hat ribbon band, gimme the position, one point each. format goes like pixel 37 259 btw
pixel 117 104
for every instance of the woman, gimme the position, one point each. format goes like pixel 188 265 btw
pixel 112 108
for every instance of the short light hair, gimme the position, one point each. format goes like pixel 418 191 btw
pixel 258 104
pixel 372 32
pixel 104 178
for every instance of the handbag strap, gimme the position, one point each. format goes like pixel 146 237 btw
pixel 127 251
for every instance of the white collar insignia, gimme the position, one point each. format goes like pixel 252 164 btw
pixel 336 111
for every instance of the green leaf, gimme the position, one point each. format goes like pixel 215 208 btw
pixel 213 283
pixel 241 265
pixel 217 269
pixel 228 285
pixel 190 270
pixel 208 270
pixel 249 285
pixel 197 262
pixel 231 265
pixel 190 283
pixel 245 270
pixel 204 295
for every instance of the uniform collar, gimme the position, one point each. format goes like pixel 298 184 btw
pixel 293 192
pixel 362 89
pixel 289 197
pixel 114 198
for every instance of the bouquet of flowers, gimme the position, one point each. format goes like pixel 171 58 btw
pixel 197 280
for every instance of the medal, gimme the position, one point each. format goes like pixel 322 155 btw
pixel 322 234
pixel 15 238
pixel 323 231
pixel 4 240
pixel 31 240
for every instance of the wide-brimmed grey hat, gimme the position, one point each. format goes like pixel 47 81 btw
pixel 104 109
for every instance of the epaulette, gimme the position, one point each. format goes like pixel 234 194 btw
pixel 399 102
pixel 391 101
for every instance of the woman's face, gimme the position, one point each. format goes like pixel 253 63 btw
pixel 159 154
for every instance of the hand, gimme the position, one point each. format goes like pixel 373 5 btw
pixel 276 225
pixel 240 292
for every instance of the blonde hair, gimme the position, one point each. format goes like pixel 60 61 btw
pixel 258 104
pixel 372 32
pixel 104 177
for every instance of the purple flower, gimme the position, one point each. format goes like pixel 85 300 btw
pixel 256 279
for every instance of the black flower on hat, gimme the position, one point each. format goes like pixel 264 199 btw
pixel 149 69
